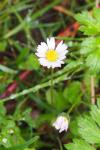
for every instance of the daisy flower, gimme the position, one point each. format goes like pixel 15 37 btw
pixel 51 55
pixel 61 124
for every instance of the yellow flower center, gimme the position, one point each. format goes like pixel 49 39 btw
pixel 51 55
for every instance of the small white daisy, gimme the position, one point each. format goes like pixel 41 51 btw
pixel 61 124
pixel 51 55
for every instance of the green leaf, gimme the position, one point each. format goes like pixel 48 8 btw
pixel 93 62
pixel 89 130
pixel 3 45
pixel 2 110
pixel 75 88
pixel 31 63
pixel 48 96
pixel 24 52
pixel 11 133
pixel 79 145
pixel 27 117
pixel 90 24
pixel 2 114
pixel 34 16
pixel 96 14
pixel 74 127
pixel 58 101
pixel 98 102
pixel 90 48
pixel 89 45
pixel 95 112
pixel 22 146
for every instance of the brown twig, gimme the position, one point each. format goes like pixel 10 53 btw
pixel 92 90
pixel 97 3
pixel 63 10
pixel 70 31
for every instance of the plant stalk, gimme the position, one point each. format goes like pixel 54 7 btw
pixel 60 144
pixel 52 70
pixel 97 3
pixel 92 90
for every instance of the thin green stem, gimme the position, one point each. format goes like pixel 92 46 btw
pixel 62 77
pixel 71 108
pixel 36 88
pixel 60 144
pixel 52 70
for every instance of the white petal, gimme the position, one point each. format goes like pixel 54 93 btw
pixel 42 47
pixel 51 43
pixel 64 52
pixel 45 62
pixel 56 125
pixel 59 120
pixel 62 57
pixel 61 124
pixel 54 65
pixel 58 63
pixel 41 54
pixel 64 126
pixel 61 47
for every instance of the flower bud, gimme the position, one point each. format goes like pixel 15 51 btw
pixel 61 124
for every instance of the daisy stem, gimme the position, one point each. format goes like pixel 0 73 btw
pixel 52 70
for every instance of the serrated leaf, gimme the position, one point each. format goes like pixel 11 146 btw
pixel 89 45
pixel 95 113
pixel 79 145
pixel 89 130
pixel 93 62
pixel 90 48
pixel 96 14
pixel 90 24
